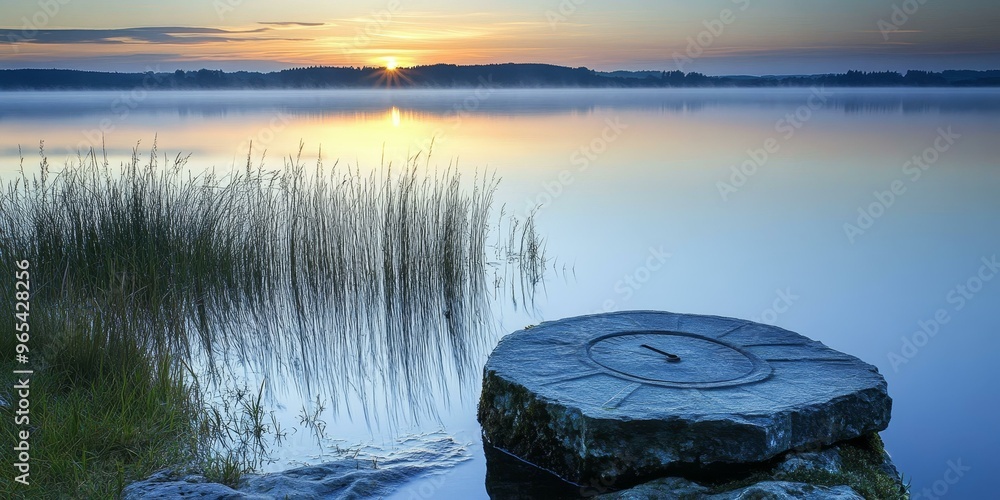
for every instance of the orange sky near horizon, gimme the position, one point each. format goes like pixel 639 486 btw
pixel 716 36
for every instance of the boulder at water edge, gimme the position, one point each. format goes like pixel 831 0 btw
pixel 623 397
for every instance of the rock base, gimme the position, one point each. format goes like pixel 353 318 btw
pixel 623 397
pixel 857 469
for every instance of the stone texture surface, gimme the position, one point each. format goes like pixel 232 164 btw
pixel 597 397
pixel 676 488
pixel 776 486
pixel 346 479
pixel 669 487
pixel 780 490
pixel 827 461
pixel 164 484
pixel 890 468
pixel 332 480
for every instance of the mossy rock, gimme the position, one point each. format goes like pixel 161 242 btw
pixel 625 397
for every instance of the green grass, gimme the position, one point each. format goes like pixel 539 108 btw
pixel 103 411
pixel 319 275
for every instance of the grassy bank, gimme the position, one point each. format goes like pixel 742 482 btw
pixel 103 411
pixel 318 275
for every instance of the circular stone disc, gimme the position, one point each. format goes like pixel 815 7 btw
pixel 633 394
pixel 696 361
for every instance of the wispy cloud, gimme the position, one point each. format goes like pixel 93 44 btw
pixel 147 61
pixel 157 35
pixel 893 31
pixel 292 23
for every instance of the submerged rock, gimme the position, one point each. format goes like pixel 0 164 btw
pixel 780 490
pixel 628 396
pixel 165 484
pixel 833 472
pixel 341 479
pixel 668 487
pixel 675 488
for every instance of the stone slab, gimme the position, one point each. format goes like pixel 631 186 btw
pixel 626 396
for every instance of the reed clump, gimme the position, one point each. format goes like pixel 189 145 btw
pixel 359 285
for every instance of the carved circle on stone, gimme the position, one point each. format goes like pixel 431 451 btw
pixel 628 395
pixel 677 359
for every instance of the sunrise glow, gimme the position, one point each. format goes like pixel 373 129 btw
pixel 762 38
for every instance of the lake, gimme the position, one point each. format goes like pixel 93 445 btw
pixel 866 219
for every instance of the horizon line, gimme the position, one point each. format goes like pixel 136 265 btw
pixel 509 63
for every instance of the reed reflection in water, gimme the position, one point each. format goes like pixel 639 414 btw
pixel 359 287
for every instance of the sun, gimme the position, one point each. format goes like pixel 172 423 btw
pixel 391 73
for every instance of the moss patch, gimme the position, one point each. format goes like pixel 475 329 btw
pixel 862 460
pixel 515 420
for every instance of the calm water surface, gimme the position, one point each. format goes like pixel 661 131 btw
pixel 624 177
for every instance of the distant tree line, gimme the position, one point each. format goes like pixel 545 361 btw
pixel 450 75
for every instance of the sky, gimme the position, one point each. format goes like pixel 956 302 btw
pixel 716 37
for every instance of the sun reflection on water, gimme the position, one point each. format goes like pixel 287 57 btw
pixel 394 116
